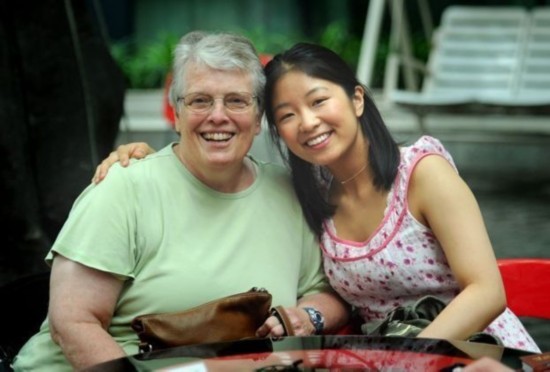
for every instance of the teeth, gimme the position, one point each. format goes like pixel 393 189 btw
pixel 217 136
pixel 317 140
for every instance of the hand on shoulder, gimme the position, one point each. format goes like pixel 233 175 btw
pixel 123 154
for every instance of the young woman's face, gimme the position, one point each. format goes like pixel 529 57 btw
pixel 316 118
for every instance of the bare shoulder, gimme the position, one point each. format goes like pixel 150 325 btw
pixel 434 171
pixel 434 181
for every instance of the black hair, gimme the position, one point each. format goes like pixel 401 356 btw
pixel 310 180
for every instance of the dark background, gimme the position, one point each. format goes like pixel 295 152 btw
pixel 61 100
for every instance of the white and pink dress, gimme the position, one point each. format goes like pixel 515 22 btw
pixel 402 261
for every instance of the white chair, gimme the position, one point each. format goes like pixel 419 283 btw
pixel 484 60
pixel 534 83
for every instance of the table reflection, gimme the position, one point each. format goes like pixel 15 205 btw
pixel 317 353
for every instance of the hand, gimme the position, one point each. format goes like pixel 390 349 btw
pixel 486 364
pixel 299 319
pixel 123 153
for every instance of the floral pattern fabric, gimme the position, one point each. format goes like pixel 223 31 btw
pixel 402 261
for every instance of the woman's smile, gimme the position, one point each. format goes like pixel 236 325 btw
pixel 217 136
pixel 319 141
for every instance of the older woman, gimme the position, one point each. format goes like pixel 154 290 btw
pixel 196 221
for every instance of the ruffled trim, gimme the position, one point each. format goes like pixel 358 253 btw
pixel 347 250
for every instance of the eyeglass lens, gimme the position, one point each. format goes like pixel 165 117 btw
pixel 200 102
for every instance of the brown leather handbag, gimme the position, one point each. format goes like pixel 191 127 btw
pixel 230 318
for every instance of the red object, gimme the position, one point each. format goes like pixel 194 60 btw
pixel 331 359
pixel 326 353
pixel 265 58
pixel 168 111
pixel 537 362
pixel 527 285
pixel 353 327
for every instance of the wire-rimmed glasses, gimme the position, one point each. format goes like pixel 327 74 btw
pixel 201 102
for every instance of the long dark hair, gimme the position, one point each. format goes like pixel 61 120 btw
pixel 310 180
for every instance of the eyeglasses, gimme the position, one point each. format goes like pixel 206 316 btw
pixel 201 103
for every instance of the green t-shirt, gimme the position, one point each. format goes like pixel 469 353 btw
pixel 177 243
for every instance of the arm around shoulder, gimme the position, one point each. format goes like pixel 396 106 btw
pixel 122 154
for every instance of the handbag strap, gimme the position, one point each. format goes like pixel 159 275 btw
pixel 280 313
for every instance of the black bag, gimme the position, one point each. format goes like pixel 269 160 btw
pixel 409 321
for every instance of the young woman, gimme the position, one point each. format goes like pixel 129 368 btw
pixel 395 224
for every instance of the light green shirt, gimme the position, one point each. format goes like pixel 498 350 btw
pixel 177 243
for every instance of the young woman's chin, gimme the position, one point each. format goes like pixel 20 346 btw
pixel 316 159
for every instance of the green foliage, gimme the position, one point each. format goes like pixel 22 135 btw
pixel 270 42
pixel 337 37
pixel 421 46
pixel 145 66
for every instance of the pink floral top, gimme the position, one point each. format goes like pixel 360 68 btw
pixel 402 261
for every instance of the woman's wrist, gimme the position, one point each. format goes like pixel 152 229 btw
pixel 316 318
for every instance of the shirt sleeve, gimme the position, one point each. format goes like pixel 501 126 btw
pixel 100 231
pixel 312 277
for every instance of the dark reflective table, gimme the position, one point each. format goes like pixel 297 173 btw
pixel 317 353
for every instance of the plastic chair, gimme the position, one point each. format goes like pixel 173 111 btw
pixel 483 60
pixel 527 285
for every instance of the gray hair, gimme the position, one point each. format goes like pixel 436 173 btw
pixel 220 51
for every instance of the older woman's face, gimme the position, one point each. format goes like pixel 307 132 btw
pixel 218 137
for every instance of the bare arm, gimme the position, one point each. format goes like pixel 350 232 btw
pixel 439 198
pixel 123 153
pixel 335 312
pixel 334 309
pixel 82 302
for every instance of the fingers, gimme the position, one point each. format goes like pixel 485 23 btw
pixel 135 150
pixel 298 318
pixel 103 168
pixel 97 176
pixel 271 328
pixel 122 154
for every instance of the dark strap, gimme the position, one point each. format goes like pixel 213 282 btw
pixel 280 313
pixel 145 347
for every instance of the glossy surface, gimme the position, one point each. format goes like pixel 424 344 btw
pixel 311 353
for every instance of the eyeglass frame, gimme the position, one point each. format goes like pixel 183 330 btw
pixel 250 100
